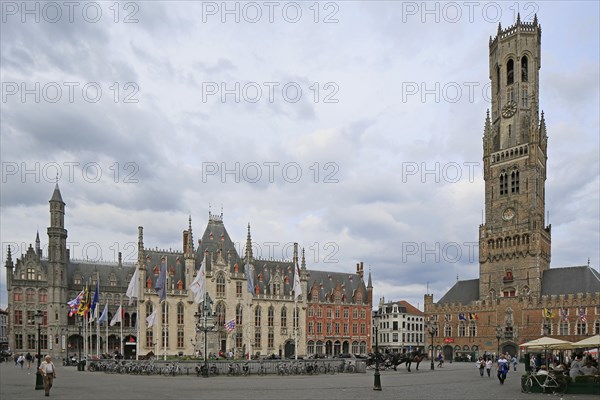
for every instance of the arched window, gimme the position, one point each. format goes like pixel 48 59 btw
pixel 283 317
pixel 220 285
pixel 257 316
pixel 149 309
pixel 503 184
pixel 239 315
pixel 524 69
pixel 30 295
pixel 18 294
pixel 514 181
pixel 271 316
pixel 462 329
pixel 220 314
pixel 497 79
pixel 296 316
pixel 180 313
pixel 126 320
pixel 510 69
pixel 448 330
pixel 164 307
pixel 472 329
pixel 31 274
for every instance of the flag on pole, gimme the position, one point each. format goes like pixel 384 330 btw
pixel 104 316
pixel 118 317
pixel 250 283
pixel 461 317
pixel 297 285
pixel 582 316
pixel 230 326
pixel 95 299
pixel 199 283
pixel 74 304
pixel 161 281
pixel 564 314
pixel 548 313
pixel 151 319
pixel 133 288
pixel 85 303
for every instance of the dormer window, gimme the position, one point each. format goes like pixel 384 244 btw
pixel 31 274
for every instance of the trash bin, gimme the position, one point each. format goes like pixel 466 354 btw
pixel 81 365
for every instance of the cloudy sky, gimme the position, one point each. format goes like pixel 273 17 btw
pixel 353 128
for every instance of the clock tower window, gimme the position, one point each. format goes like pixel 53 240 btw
pixel 510 69
pixel 503 184
pixel 524 99
pixel 514 181
pixel 524 69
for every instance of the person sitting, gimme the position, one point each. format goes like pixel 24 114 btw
pixel 588 369
pixel 576 365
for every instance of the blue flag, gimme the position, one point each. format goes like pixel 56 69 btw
pixel 250 284
pixel 95 299
pixel 161 281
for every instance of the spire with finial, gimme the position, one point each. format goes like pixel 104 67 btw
pixel 189 246
pixel 518 18
pixel 37 241
pixel 535 20
pixel 9 261
pixel 499 28
pixel 588 260
pixel 369 281
pixel 303 261
pixel 56 195
pixel 249 244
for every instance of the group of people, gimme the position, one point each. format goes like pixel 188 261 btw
pixel 47 369
pixel 503 364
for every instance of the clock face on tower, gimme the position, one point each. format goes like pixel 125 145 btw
pixel 508 214
pixel 509 109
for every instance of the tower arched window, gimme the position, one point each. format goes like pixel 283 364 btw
pixel 283 317
pixel 220 285
pixel 524 69
pixel 510 72
pixel 514 181
pixel 497 79
pixel 503 184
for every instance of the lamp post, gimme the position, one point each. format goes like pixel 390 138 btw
pixel 432 330
pixel 376 377
pixel 39 381
pixel 498 336
pixel 205 324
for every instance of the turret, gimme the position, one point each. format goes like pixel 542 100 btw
pixel 9 269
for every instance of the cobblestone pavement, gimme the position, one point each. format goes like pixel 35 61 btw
pixel 454 381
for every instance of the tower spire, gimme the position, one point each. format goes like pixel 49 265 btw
pixel 9 262
pixel 189 245
pixel 369 281
pixel 249 244
pixel 303 261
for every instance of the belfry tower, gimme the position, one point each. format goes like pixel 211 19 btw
pixel 514 243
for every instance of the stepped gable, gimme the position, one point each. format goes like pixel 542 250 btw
pixel 463 292
pixel 216 237
pixel 175 266
pixel 570 280
pixel 326 282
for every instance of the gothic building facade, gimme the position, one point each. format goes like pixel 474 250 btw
pixel 267 319
pixel 517 297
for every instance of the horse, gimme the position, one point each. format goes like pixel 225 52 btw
pixel 407 358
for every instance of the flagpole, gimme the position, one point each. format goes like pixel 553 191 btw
pixel 96 317
pixel 294 316
pixel 121 324
pixel 106 322
pixel 137 329
pixel 165 329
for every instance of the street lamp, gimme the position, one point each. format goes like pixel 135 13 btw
pixel 376 377
pixel 205 324
pixel 39 381
pixel 432 331
pixel 498 336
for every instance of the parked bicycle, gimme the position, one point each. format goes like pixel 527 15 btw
pixel 546 380
pixel 172 369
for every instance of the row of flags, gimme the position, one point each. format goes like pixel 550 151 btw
pixel 84 306
pixel 564 314
pixel 464 317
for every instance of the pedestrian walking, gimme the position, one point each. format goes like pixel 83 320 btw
pixel 48 371
pixel 480 365
pixel 488 367
pixel 514 362
pixel 21 360
pixel 29 358
pixel 502 368
pixel 440 361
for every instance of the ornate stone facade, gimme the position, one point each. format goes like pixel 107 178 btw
pixel 517 296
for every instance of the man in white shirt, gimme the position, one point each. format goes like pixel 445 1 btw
pixel 48 371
